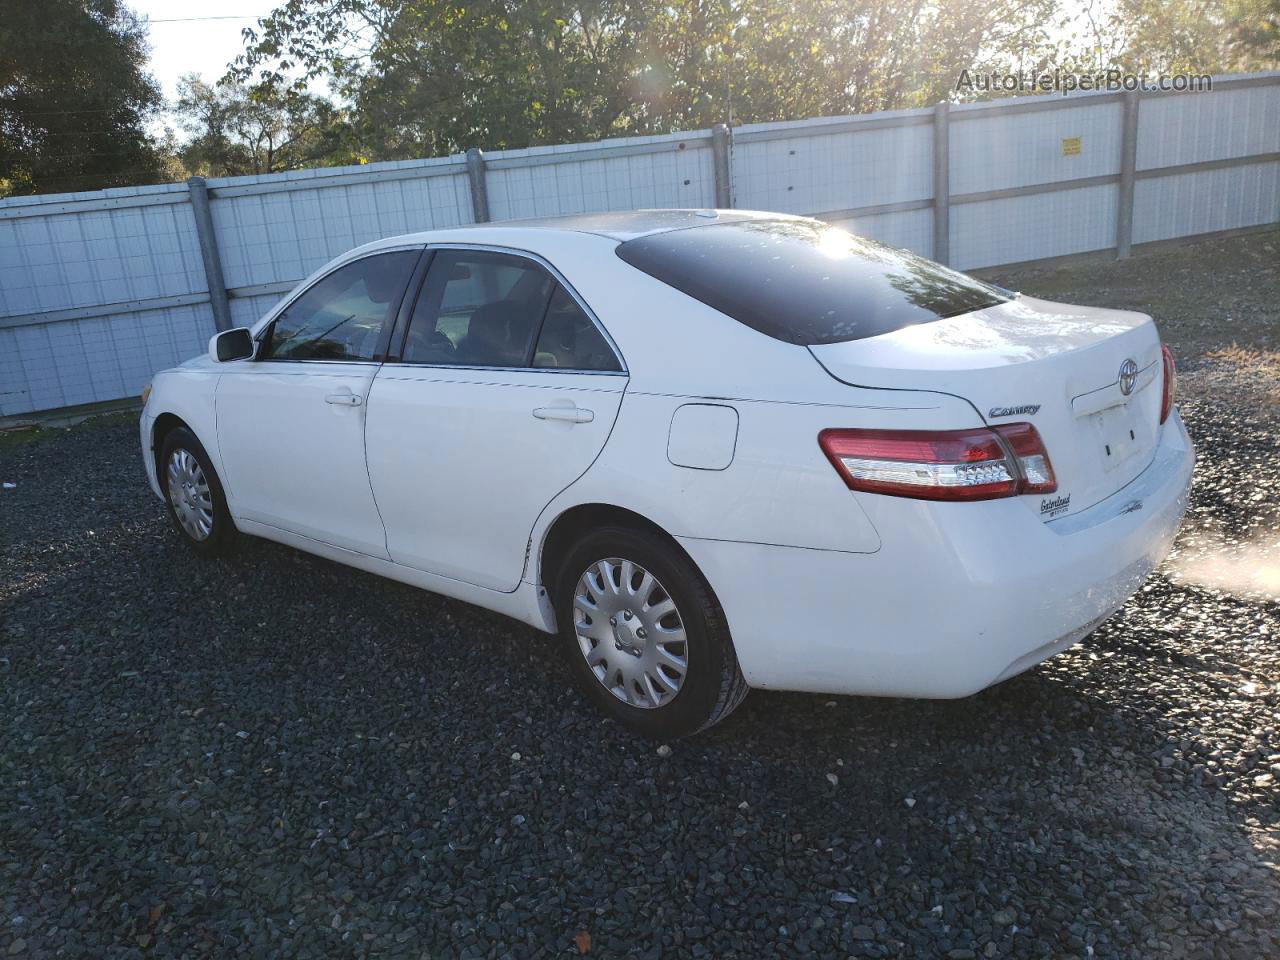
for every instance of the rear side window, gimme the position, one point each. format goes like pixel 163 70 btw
pixel 569 340
pixel 805 282
pixel 478 308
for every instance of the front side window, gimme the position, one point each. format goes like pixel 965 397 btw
pixel 342 315
pixel 478 308
pixel 804 282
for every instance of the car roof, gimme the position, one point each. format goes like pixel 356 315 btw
pixel 628 224
pixel 618 226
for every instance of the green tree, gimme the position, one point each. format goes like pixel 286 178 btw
pixel 1255 37
pixel 435 76
pixel 236 130
pixel 431 76
pixel 74 97
pixel 760 60
pixel 1176 36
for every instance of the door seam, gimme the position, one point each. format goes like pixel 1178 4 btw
pixel 364 450
pixel 528 548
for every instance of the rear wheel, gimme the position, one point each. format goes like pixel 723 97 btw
pixel 644 635
pixel 194 495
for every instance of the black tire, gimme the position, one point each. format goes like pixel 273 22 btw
pixel 222 532
pixel 713 685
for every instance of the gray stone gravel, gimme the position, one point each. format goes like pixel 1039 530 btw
pixel 273 755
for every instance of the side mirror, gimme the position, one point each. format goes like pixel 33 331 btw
pixel 228 345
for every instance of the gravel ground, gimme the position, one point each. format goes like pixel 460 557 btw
pixel 274 755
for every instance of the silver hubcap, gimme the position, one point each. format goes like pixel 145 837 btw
pixel 630 633
pixel 189 494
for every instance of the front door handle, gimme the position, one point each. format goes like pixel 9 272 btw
pixel 570 414
pixel 345 399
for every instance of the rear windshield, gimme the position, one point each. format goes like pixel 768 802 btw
pixel 805 282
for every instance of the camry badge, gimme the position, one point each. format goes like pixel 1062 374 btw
pixel 1026 410
pixel 1128 376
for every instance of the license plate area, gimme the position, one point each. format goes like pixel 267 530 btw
pixel 1116 436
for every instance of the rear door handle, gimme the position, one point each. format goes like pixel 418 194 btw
pixel 345 399
pixel 570 414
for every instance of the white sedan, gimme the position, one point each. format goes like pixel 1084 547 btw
pixel 712 450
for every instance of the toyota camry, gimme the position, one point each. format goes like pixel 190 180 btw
pixel 711 450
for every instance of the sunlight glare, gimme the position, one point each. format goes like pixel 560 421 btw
pixel 1249 570
pixel 835 243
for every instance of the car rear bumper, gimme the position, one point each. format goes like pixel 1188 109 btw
pixel 960 595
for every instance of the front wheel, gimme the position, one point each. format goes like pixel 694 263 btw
pixel 194 494
pixel 645 636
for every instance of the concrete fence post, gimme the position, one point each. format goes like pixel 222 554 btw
pixel 942 183
pixel 479 188
pixel 720 166
pixel 1128 171
pixel 213 278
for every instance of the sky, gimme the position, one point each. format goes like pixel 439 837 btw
pixel 186 38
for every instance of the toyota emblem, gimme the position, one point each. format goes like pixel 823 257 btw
pixel 1128 376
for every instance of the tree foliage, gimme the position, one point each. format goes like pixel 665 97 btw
pixel 1255 35
pixel 236 129
pixel 433 76
pixel 74 97
pixel 1175 36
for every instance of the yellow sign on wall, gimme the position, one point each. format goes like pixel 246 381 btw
pixel 1071 146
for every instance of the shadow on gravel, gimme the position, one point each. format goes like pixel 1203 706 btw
pixel 276 755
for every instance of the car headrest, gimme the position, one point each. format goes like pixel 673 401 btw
pixel 492 322
pixel 384 280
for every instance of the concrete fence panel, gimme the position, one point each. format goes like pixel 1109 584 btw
pixel 1034 226
pixel 835 164
pixel 270 231
pixel 624 174
pixel 86 254
pixel 1001 151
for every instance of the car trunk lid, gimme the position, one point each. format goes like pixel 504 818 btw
pixel 1062 368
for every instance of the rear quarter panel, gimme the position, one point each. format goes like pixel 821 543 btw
pixel 779 487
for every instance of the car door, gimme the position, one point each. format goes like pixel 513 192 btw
pixel 291 421
pixel 500 393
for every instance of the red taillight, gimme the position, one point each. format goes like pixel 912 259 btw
pixel 1170 391
pixel 1033 459
pixel 979 464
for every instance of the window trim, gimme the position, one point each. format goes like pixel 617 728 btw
pixel 398 336
pixel 384 335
